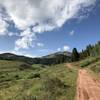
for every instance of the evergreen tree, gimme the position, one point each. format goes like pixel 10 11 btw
pixel 75 55
pixel 91 50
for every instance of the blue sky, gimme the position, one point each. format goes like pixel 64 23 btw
pixel 45 33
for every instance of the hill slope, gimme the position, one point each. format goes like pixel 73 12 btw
pixel 38 82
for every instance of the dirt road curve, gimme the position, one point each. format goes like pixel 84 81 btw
pixel 88 88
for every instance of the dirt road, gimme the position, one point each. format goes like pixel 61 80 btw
pixel 88 88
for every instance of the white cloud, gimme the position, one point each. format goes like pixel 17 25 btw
pixel 43 27
pixel 22 43
pixel 22 53
pixel 40 11
pixel 19 53
pixel 26 40
pixel 30 55
pixel 3 27
pixel 59 49
pixel 72 33
pixel 40 44
pixel 12 33
pixel 66 48
pixel 43 15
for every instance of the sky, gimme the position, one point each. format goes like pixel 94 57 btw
pixel 36 28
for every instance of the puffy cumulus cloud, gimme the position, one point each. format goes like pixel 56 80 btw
pixel 22 43
pixel 72 33
pixel 26 40
pixel 18 53
pixel 40 44
pixel 43 27
pixel 29 12
pixel 66 48
pixel 22 53
pixel 42 15
pixel 3 27
pixel 4 19
pixel 58 49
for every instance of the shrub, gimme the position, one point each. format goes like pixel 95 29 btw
pixel 17 77
pixel 25 66
pixel 95 68
pixel 25 97
pixel 2 76
pixel 37 75
pixel 43 66
pixel 54 88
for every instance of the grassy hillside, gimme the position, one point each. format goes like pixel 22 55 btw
pixel 20 81
pixel 89 61
pixel 92 64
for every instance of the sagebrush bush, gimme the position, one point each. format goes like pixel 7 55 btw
pixel 95 68
pixel 54 88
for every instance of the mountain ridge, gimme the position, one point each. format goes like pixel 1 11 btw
pixel 53 58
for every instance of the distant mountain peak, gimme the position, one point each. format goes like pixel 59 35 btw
pixel 65 53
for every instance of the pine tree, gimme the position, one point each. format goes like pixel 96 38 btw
pixel 91 50
pixel 75 55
